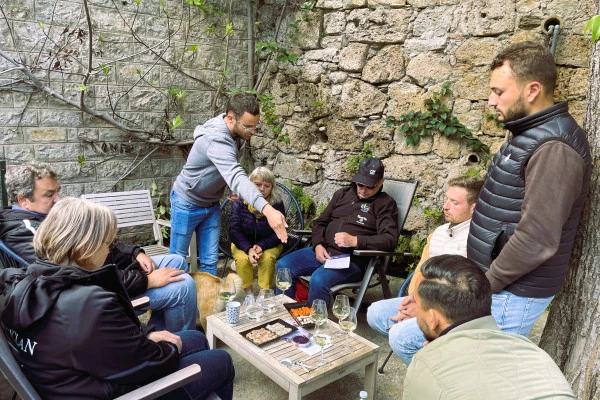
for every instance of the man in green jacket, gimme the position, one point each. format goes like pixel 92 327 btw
pixel 468 356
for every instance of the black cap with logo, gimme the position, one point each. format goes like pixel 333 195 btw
pixel 370 171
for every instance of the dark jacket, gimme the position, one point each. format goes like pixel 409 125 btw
pixel 75 333
pixel 246 229
pixel 374 221
pixel 17 228
pixel 498 228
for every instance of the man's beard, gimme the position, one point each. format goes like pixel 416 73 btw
pixel 428 336
pixel 517 111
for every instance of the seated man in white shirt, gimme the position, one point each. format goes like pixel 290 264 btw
pixel 395 317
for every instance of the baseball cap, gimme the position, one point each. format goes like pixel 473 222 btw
pixel 370 171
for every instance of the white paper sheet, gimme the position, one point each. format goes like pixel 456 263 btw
pixel 338 262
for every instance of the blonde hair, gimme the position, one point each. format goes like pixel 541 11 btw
pixel 266 175
pixel 74 231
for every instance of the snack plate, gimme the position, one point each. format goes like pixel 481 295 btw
pixel 282 322
pixel 290 306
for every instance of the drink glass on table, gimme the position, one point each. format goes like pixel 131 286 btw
pixel 268 302
pixel 226 290
pixel 318 312
pixel 283 279
pixel 348 324
pixel 341 306
pixel 322 340
pixel 254 310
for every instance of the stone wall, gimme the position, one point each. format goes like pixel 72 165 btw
pixel 363 60
pixel 128 39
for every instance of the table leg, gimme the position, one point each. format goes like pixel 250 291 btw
pixel 295 393
pixel 370 376
pixel 212 340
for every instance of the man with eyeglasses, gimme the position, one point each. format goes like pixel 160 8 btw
pixel 359 216
pixel 211 166
pixel 34 189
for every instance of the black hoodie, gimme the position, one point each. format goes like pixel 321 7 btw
pixel 75 333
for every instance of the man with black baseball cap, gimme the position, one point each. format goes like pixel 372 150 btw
pixel 360 216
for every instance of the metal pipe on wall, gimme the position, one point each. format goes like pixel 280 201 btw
pixel 250 34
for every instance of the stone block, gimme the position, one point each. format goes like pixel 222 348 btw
pixel 312 72
pixel 66 118
pixel 58 152
pixel 82 134
pixel 50 11
pixel 136 184
pixel 172 167
pixel 425 169
pixel 386 3
pixel 386 66
pixel 486 17
pixel 19 152
pixel 353 57
pixel 490 127
pixel 429 68
pixel 334 22
pixel 382 25
pixel 102 187
pixel 573 51
pixel 334 42
pixel 327 55
pixel 462 106
pixel 424 147
pixel 471 119
pixel 44 135
pixel 334 166
pixel 337 77
pixel 343 135
pixel 72 190
pixel 130 74
pixel 31 100
pixel 430 3
pixel 146 99
pixel 578 84
pixel 10 135
pixel 309 30
pixel 301 135
pixel 105 19
pixel 474 85
pixel 379 130
pixel 72 172
pixel 382 147
pixel 577 110
pixel 404 97
pixel 414 220
pixel 18 117
pixel 361 99
pixel 194 100
pixel 297 169
pixel 418 45
pixel 433 22
pixel 340 4
pixel 477 51
pixel 18 10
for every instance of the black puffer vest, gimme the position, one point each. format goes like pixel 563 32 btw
pixel 498 210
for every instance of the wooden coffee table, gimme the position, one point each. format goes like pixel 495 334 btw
pixel 296 379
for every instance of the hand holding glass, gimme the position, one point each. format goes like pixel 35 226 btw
pixel 348 324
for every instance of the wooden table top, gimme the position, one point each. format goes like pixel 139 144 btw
pixel 267 357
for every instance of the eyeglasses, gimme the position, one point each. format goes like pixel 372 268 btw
pixel 248 128
pixel 365 186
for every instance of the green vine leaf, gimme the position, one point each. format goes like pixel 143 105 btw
pixel 593 25
pixel 229 29
pixel 41 24
pixel 193 47
pixel 82 87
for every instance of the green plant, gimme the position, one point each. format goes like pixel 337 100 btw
pixel 434 215
pixel 305 202
pixel 354 160
pixel 320 210
pixel 272 48
pixel 494 118
pixel 163 210
pixel 411 244
pixel 473 172
pixel 593 26
pixel 438 118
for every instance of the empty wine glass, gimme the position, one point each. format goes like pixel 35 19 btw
pixel 318 312
pixel 322 340
pixel 341 307
pixel 348 324
pixel 226 290
pixel 283 279
pixel 266 296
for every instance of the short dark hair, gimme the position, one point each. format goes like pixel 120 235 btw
pixel 241 103
pixel 529 62
pixel 471 184
pixel 456 287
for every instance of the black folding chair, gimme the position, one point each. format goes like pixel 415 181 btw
pixel 10 259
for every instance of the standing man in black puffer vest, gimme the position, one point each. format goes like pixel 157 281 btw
pixel 527 214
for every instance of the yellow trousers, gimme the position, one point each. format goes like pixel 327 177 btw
pixel 266 266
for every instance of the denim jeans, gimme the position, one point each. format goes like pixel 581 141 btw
pixel 304 262
pixel 205 221
pixel 512 313
pixel 173 305
pixel 217 369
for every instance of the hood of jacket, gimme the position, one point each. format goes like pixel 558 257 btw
pixel 213 126
pixel 29 294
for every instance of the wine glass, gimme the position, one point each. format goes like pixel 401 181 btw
pixel 254 310
pixel 266 295
pixel 226 290
pixel 348 324
pixel 322 340
pixel 283 279
pixel 318 312
pixel 341 307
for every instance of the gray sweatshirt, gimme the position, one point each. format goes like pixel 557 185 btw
pixel 213 165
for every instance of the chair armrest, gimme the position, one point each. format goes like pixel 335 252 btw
pixel 164 385
pixel 163 222
pixel 375 253
pixel 302 231
pixel 141 302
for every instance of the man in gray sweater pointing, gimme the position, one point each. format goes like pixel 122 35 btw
pixel 211 166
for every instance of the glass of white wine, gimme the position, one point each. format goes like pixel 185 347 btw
pixel 341 307
pixel 226 290
pixel 283 279
pixel 318 312
pixel 322 340
pixel 348 324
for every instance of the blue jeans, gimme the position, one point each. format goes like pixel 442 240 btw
pixel 512 313
pixel 205 221
pixel 304 262
pixel 173 305
pixel 217 369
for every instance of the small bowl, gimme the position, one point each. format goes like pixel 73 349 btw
pixel 301 341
